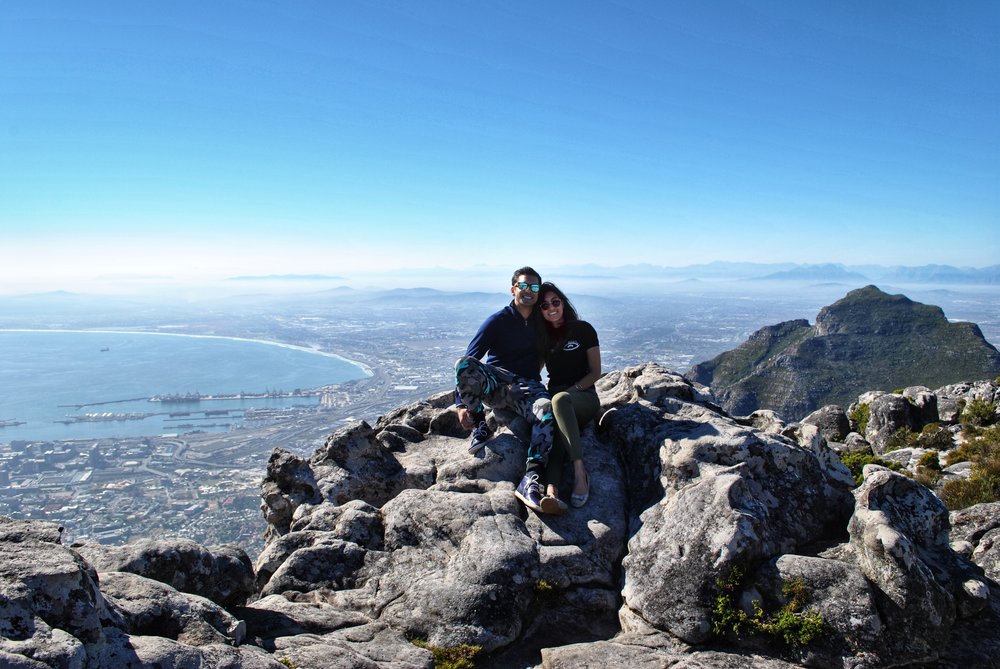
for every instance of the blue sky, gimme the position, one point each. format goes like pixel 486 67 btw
pixel 211 139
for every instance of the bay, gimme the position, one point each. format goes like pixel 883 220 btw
pixel 48 376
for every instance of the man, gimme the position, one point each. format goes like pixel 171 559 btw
pixel 509 381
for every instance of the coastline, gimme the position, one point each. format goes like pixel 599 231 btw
pixel 329 354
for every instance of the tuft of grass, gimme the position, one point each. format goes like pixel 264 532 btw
pixel 928 471
pixel 931 436
pixel 288 663
pixel 982 448
pixel 859 418
pixel 979 413
pixel 936 437
pixel 790 624
pixel 451 657
pixel 543 587
pixel 856 461
pixel 726 615
pixel 904 437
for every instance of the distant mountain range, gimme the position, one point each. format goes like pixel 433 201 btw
pixel 866 340
pixel 825 272
pixel 287 277
pixel 720 270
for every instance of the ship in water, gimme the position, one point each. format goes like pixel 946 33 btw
pixel 176 399
pixel 105 417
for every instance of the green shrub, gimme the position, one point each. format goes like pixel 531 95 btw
pixel 929 460
pixel 904 437
pixel 726 615
pixel 978 489
pixel 979 445
pixel 982 448
pixel 928 470
pixel 543 587
pixel 790 624
pixel 935 437
pixel 979 413
pixel 859 418
pixel 856 461
pixel 452 657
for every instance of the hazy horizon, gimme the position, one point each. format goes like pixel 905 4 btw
pixel 640 278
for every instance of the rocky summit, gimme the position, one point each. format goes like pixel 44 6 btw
pixel 708 541
pixel 866 340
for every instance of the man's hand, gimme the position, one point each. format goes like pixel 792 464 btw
pixel 465 418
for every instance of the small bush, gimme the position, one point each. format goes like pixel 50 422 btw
pixel 935 437
pixel 904 437
pixel 543 587
pixel 979 413
pixel 856 461
pixel 931 436
pixel 790 624
pixel 726 615
pixel 978 489
pixel 982 448
pixel 859 418
pixel 928 470
pixel 929 460
pixel 452 657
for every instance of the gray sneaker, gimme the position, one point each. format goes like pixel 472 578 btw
pixel 530 492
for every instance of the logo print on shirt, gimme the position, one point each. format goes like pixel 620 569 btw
pixel 571 345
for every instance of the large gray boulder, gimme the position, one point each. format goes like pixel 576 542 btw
pixel 51 607
pixel 839 592
pixel 899 534
pixel 731 496
pixel 149 607
pixel 223 574
pixel 832 422
pixel 888 413
pixel 432 541
pixel 979 527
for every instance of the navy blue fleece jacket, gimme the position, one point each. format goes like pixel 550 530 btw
pixel 508 341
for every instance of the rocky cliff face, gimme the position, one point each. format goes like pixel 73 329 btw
pixel 394 532
pixel 866 340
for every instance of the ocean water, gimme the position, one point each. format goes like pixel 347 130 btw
pixel 45 377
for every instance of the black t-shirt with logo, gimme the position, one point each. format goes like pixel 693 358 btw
pixel 567 361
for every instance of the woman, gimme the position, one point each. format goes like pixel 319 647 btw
pixel 573 361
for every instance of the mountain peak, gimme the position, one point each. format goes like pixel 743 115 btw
pixel 867 339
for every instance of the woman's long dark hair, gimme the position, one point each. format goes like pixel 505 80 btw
pixel 553 337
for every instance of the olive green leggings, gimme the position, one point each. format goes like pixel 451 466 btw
pixel 572 409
